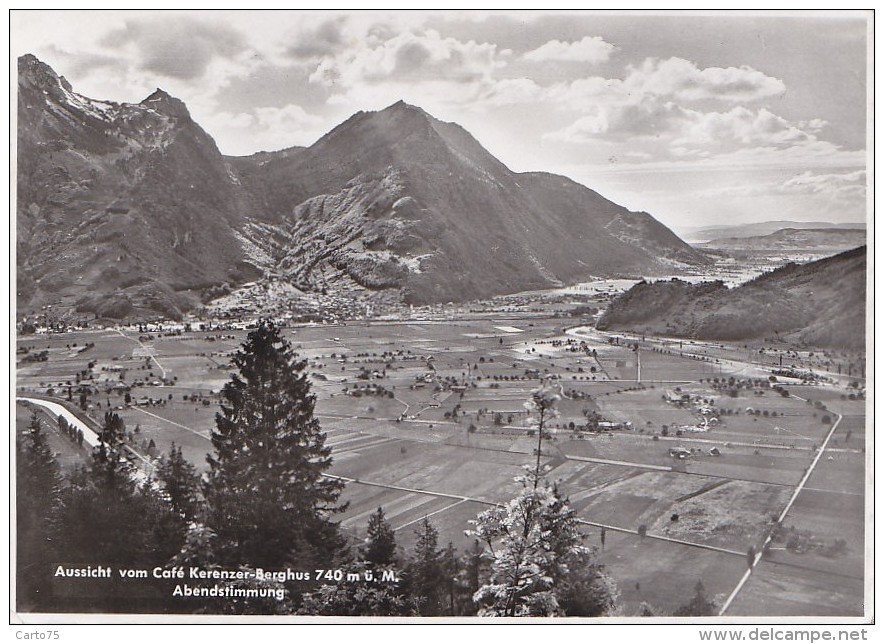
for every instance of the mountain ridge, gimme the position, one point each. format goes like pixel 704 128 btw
pixel 137 202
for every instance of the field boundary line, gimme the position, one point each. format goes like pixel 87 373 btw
pixel 659 537
pixel 390 486
pixel 172 422
pixel 447 507
pixel 606 461
pixel 782 516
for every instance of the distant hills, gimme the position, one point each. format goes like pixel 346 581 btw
pixel 819 304
pixel 760 229
pixel 825 241
pixel 130 210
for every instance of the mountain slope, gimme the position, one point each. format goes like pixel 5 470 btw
pixel 127 209
pixel 819 304
pixel 398 199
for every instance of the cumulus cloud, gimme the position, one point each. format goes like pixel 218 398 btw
pixel 655 105
pixel 179 47
pixel 409 57
pixel 682 80
pixel 590 49
pixel 656 100
pixel 324 40
pixel 741 126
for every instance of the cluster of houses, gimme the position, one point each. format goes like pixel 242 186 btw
pixel 703 408
pixel 682 452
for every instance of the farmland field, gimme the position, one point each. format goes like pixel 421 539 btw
pixel 429 419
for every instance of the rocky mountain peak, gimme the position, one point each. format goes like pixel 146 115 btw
pixel 32 69
pixel 165 103
pixel 401 106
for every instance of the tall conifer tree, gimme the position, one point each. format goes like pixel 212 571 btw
pixel 380 546
pixel 38 480
pixel 425 573
pixel 268 502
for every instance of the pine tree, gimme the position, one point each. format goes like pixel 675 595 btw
pixel 583 588
pixel 107 518
pixel 425 573
pixel 38 482
pixel 268 502
pixel 450 572
pixel 180 482
pixel 39 476
pixel 108 458
pixel 473 568
pixel 380 546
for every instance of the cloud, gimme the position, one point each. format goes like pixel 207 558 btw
pixel 741 126
pixel 269 85
pixel 266 128
pixel 409 57
pixel 78 63
pixel 285 119
pixel 834 184
pixel 657 100
pixel 682 80
pixel 324 40
pixel 835 192
pixel 674 131
pixel 590 49
pixel 649 118
pixel 179 47
pixel 511 91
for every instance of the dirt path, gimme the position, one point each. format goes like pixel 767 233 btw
pixel 780 519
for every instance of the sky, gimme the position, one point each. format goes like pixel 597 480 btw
pixel 698 119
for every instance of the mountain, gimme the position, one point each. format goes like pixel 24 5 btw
pixel 708 233
pixel 122 209
pixel 819 304
pixel 399 199
pixel 825 241
pixel 125 210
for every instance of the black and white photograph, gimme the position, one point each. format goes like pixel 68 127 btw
pixel 442 316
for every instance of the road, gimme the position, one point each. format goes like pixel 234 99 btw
pixel 89 436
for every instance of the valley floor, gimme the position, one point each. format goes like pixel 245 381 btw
pixel 784 483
